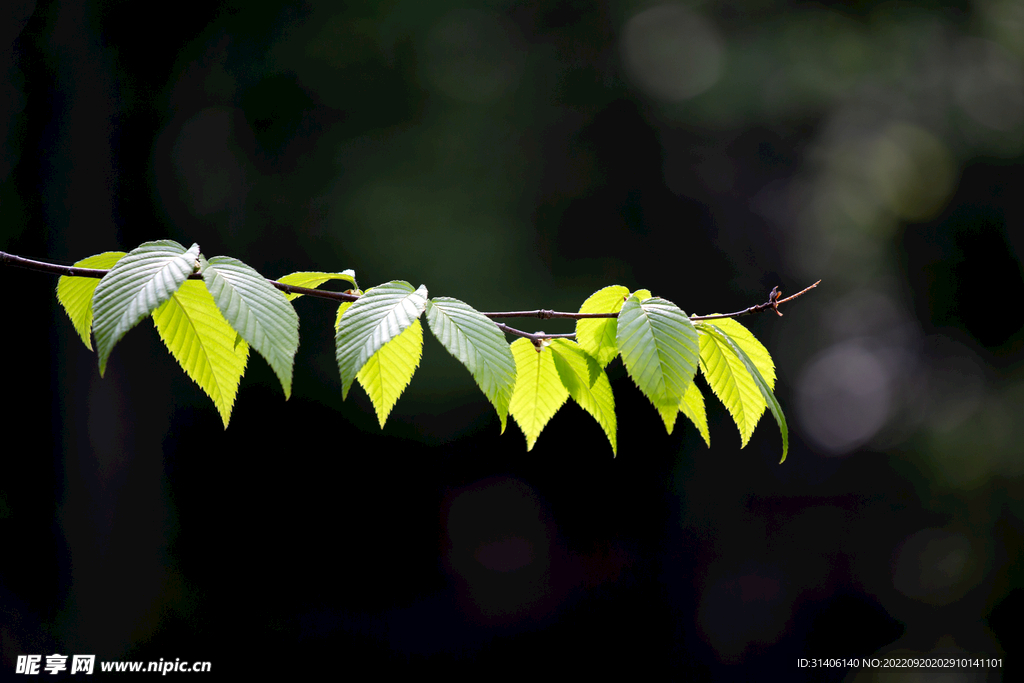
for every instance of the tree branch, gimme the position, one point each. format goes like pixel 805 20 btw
pixel 774 298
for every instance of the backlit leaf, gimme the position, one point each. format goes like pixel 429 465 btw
pixel 380 315
pixel 575 368
pixel 386 375
pixel 762 385
pixel 692 406
pixel 596 336
pixel 754 349
pixel 668 412
pixel 642 294
pixel 342 307
pixel 475 341
pixel 729 378
pixel 75 293
pixel 200 339
pixel 659 348
pixel 134 287
pixel 259 313
pixel 312 280
pixel 539 391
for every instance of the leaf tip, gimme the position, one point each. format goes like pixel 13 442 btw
pixel 225 414
pixel 286 386
pixel 668 415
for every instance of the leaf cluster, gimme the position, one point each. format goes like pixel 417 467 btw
pixel 211 312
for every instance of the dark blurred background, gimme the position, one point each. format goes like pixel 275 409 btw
pixel 523 155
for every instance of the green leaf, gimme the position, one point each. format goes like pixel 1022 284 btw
pixel 692 407
pixel 729 378
pixel 386 375
pixel 659 348
pixel 259 313
pixel 475 341
pixel 75 293
pixel 380 315
pixel 762 385
pixel 596 336
pixel 539 391
pixel 575 368
pixel 135 286
pixel 200 339
pixel 313 280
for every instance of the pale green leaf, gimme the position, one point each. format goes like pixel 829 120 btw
pixel 692 406
pixel 380 315
pixel 260 314
pixel 596 336
pixel 575 368
pixel 200 339
pixel 312 280
pixel 75 293
pixel 475 341
pixel 135 286
pixel 386 375
pixel 729 378
pixel 659 348
pixel 539 391
pixel 762 385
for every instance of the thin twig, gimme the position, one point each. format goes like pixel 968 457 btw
pixel 534 337
pixel 772 303
pixel 75 271
pixel 545 314
pixel 318 293
pixel 52 268
pixel 774 298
